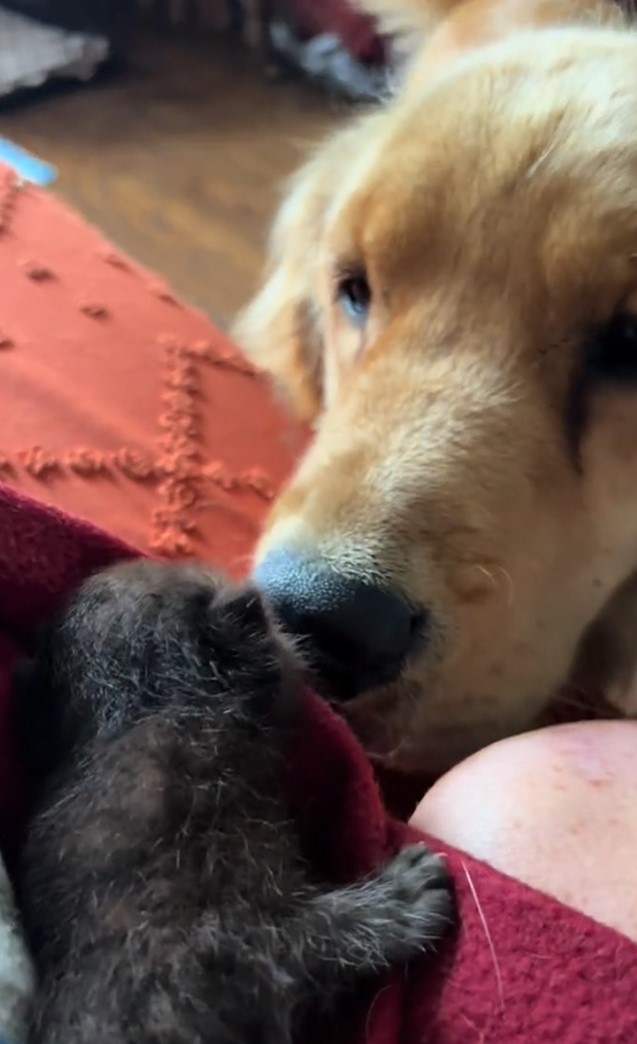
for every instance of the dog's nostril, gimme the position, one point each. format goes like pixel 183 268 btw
pixel 418 624
pixel 360 633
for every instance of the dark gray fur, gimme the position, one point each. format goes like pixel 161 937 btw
pixel 164 893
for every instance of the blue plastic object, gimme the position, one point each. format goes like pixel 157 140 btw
pixel 28 167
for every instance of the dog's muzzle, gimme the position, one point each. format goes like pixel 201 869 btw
pixel 359 634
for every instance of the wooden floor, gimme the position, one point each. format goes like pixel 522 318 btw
pixel 180 160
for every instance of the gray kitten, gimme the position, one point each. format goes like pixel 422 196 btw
pixel 164 892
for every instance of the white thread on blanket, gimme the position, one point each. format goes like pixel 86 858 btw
pixel 496 965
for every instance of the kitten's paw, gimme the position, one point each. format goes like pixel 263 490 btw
pixel 414 895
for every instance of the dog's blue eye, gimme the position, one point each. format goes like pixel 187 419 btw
pixel 355 298
pixel 609 361
pixel 612 353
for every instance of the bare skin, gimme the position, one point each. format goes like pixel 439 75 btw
pixel 577 787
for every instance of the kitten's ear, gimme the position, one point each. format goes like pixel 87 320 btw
pixel 23 675
pixel 245 606
pixel 35 718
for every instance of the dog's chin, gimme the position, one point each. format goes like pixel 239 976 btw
pixel 381 721
pixel 573 703
pixel 390 725
pixel 397 737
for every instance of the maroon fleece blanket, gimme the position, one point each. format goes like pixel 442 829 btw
pixel 520 968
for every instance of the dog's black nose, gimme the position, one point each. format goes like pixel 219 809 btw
pixel 359 634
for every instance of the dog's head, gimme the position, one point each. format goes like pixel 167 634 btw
pixel 452 301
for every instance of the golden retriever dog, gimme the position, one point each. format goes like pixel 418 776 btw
pixel 451 301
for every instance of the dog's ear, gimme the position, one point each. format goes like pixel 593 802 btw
pixel 282 327
pixel 454 27
pixel 405 17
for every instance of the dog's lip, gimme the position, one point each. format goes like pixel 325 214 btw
pixel 342 684
pixel 575 704
pixel 385 749
pixel 344 678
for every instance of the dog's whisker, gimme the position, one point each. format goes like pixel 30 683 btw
pixel 489 572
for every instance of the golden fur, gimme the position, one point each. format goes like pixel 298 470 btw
pixel 492 205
